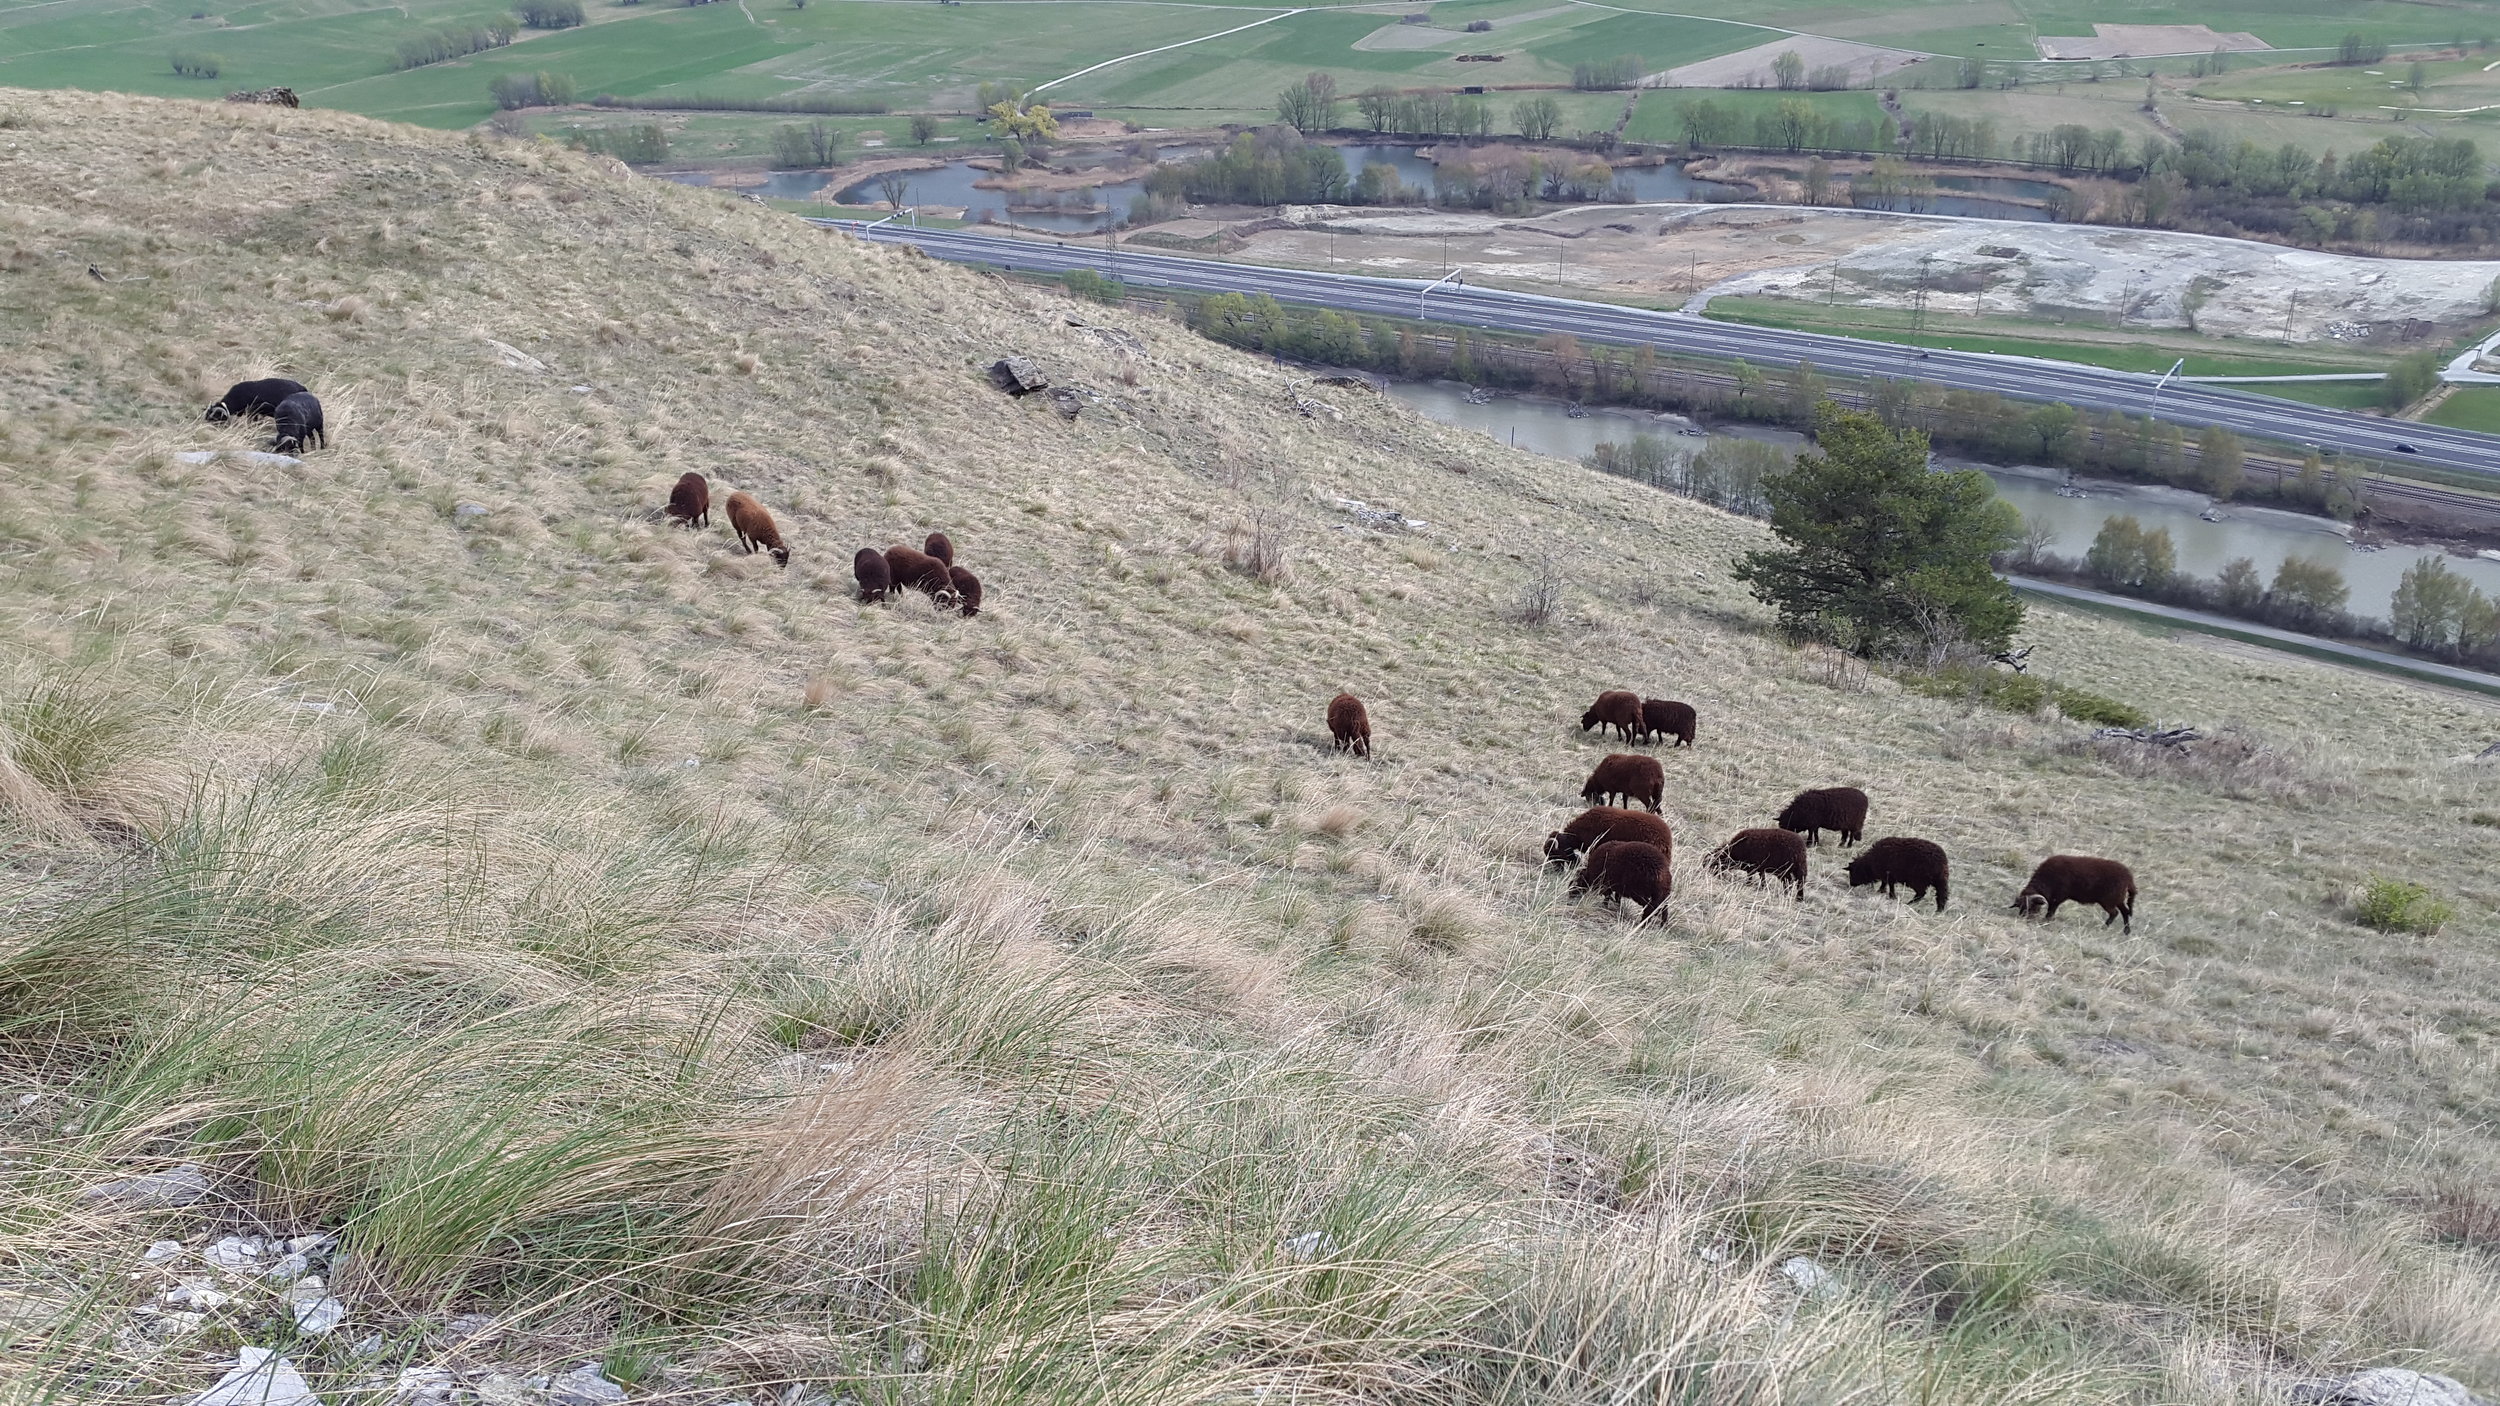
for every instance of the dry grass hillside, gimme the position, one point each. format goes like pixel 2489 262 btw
pixel 617 950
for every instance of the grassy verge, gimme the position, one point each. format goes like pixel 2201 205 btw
pixel 2470 408
pixel 2149 351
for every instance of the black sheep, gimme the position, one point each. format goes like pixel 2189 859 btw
pixel 1897 859
pixel 1621 869
pixel 299 424
pixel 245 399
pixel 1841 808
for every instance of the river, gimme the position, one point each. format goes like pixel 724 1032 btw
pixel 2265 536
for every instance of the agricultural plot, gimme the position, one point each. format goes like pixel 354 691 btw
pixel 1658 118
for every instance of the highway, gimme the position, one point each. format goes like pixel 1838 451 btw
pixel 2085 387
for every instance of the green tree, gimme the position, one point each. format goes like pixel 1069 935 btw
pixel 2417 77
pixel 2308 594
pixel 1310 105
pixel 1788 70
pixel 2052 425
pixel 1536 118
pixel 2242 589
pixel 1875 546
pixel 2410 379
pixel 2124 554
pixel 2429 604
pixel 924 128
pixel 2219 460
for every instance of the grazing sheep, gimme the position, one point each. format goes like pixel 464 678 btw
pixel 1898 859
pixel 1598 824
pixel 1621 869
pixel 1841 808
pixel 1616 709
pixel 299 424
pixel 1765 854
pixel 967 590
pixel 755 528
pixel 918 570
pixel 1629 775
pixel 1350 724
pixel 245 399
pixel 690 502
pixel 2074 878
pixel 1663 718
pixel 940 546
pixel 875 582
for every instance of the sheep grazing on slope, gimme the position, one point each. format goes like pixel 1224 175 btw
pixel 1896 860
pixel 690 502
pixel 2074 878
pixel 1598 824
pixel 1630 776
pixel 917 570
pixel 1841 808
pixel 1661 717
pixel 1350 724
pixel 245 399
pixel 1627 869
pixel 755 528
pixel 967 590
pixel 1765 854
pixel 875 582
pixel 1616 709
pixel 299 424
pixel 941 546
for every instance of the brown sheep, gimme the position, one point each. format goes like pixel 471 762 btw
pixel 1629 775
pixel 2073 878
pixel 1841 808
pixel 918 570
pixel 755 527
pixel 1898 859
pixel 1350 724
pixel 941 546
pixel 1663 718
pixel 1616 709
pixel 690 502
pixel 1598 824
pixel 1765 854
pixel 1621 869
pixel 875 582
pixel 967 590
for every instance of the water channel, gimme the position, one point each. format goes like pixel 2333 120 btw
pixel 2265 536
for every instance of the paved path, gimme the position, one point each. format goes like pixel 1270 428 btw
pixel 2376 658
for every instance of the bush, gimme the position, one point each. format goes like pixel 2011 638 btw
pixel 459 41
pixel 2025 693
pixel 2393 905
pixel 1085 283
pixel 519 90
pixel 636 145
pixel 798 148
pixel 192 64
pixel 550 14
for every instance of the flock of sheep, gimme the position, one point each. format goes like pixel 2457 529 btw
pixel 1631 853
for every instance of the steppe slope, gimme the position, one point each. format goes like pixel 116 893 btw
pixel 694 970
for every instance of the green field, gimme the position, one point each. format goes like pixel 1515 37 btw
pixel 1658 118
pixel 2470 408
pixel 2010 337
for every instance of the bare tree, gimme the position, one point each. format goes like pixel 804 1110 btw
pixel 895 187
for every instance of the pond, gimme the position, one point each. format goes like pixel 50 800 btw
pixel 2263 535
pixel 1646 183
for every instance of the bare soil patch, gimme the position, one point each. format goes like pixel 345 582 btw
pixel 2135 41
pixel 1751 68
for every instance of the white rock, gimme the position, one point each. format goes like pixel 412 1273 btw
pixel 310 1244
pixel 162 1251
pixel 259 1378
pixel 504 1389
pixel 176 1325
pixel 157 1191
pixel 316 1310
pixel 2387 1386
pixel 1309 1245
pixel 199 1296
pixel 416 1386
pixel 468 510
pixel 248 456
pixel 235 1252
pixel 514 357
pixel 288 1269
pixel 1810 1278
pixel 585 1385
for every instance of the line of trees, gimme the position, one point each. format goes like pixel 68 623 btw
pixel 641 144
pixel 1791 125
pixel 1604 75
pixel 513 91
pixel 797 148
pixel 549 14
pixel 701 102
pixel 458 41
pixel 192 63
pixel 1434 112
pixel 2126 558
